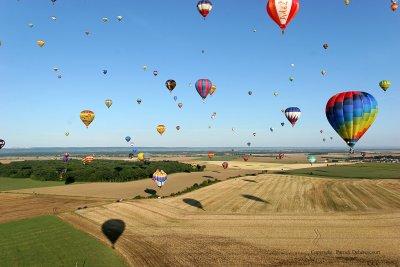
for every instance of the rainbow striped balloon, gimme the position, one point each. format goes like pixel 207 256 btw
pixel 351 114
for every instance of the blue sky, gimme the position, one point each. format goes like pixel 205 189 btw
pixel 168 36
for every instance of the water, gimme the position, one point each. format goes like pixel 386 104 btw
pixel 124 151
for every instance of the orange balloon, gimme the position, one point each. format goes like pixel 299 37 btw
pixel 40 43
pixel 161 129
pixel 210 155
pixel 87 116
pixel 213 88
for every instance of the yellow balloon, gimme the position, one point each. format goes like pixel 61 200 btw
pixel 160 129
pixel 40 43
pixel 87 116
pixel 213 88
pixel 55 68
pixel 140 156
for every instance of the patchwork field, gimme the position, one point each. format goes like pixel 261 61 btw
pixel 268 220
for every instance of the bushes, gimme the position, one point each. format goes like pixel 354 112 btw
pixel 97 171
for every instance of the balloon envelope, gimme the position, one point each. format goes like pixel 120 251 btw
pixel 292 114
pixel 2 143
pixel 312 159
pixel 108 102
pixel 351 114
pixel 203 87
pixel 225 165
pixel 385 84
pixel 87 116
pixel 160 129
pixel 204 7
pixel 159 177
pixel 128 138
pixel 282 12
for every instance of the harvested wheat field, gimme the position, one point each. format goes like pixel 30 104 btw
pixel 21 206
pixel 176 182
pixel 268 220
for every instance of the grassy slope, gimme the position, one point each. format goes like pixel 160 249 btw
pixel 19 183
pixel 48 241
pixel 361 170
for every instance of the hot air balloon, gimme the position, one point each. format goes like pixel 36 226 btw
pixel 203 87
pixel 2 143
pixel 160 129
pixel 385 84
pixel 108 102
pixel 321 131
pixel 104 72
pixel 175 98
pixel 347 2
pixel 59 76
pixel 245 158
pixel 213 115
pixel 66 133
pixel 88 159
pixel 323 139
pixel 140 156
pixel 271 129
pixel 292 65
pixel 282 123
pixel 283 110
pixel 178 127
pixel 291 78
pixel 144 68
pixel 225 165
pixel 204 7
pixel 292 114
pixel 213 88
pixel 53 1
pixel 40 43
pixel 155 73
pixel 87 116
pixel 276 93
pixel 351 114
pixel 131 144
pixel 66 157
pixel 325 46
pixel 159 177
pixel 30 25
pixel 134 150
pixel 180 105
pixel 254 134
pixel 248 144
pixel 282 12
pixel 394 7
pixel 128 138
pixel 331 138
pixel 139 100
pixel 363 154
pixel 323 72
pixel 87 32
pixel 281 155
pixel 210 155
pixel 119 18
pixel 233 129
pixel 55 69
pixel 53 18
pixel 170 84
pixel 105 19
pixel 312 159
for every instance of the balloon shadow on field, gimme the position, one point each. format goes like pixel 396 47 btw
pixel 113 229
pixel 255 198
pixel 193 202
pixel 150 191
pixel 248 180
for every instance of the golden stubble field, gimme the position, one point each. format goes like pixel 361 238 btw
pixel 264 220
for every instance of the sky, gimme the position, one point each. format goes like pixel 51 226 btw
pixel 37 108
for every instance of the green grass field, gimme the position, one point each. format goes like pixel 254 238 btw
pixel 48 241
pixel 361 170
pixel 7 184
